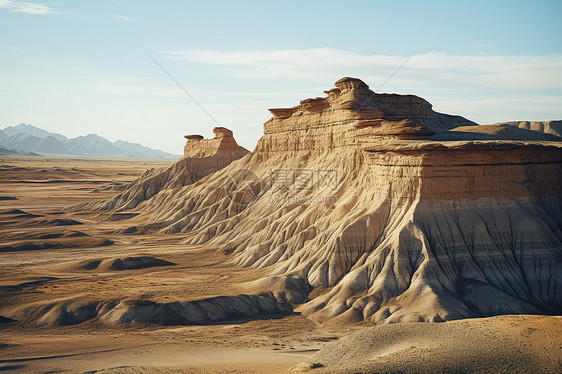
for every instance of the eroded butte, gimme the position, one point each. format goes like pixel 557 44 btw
pixel 410 228
pixel 354 207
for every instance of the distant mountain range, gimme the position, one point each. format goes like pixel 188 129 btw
pixel 24 128
pixel 29 139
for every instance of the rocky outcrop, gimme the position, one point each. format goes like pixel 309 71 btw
pixel 223 142
pixel 201 158
pixel 546 127
pixel 532 131
pixel 351 102
pixel 352 192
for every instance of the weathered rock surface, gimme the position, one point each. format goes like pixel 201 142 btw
pixel 198 147
pixel 546 127
pixel 351 192
pixel 201 158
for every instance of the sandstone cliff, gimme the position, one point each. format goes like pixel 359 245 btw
pixel 353 193
pixel 223 142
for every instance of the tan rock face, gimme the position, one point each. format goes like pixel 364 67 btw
pixel 197 147
pixel 350 115
pixel 201 158
pixel 351 191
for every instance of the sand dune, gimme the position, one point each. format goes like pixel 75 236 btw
pixel 452 347
pixel 125 263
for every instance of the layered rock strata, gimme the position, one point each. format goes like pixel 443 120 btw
pixel 352 192
pixel 223 142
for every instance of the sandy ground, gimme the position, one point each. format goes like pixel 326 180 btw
pixel 43 187
pixel 501 344
pixel 48 254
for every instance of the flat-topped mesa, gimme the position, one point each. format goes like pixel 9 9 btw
pixel 197 147
pixel 356 115
pixel 391 229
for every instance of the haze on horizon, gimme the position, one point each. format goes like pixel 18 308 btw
pixel 76 68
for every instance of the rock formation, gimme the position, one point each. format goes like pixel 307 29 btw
pixel 353 193
pixel 201 158
pixel 534 131
pixel 198 147
pixel 547 127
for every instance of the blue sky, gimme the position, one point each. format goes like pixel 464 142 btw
pixel 79 67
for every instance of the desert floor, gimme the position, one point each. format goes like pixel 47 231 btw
pixel 48 253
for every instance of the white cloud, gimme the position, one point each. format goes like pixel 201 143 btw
pixel 435 69
pixel 133 86
pixel 484 88
pixel 25 7
pixel 124 18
